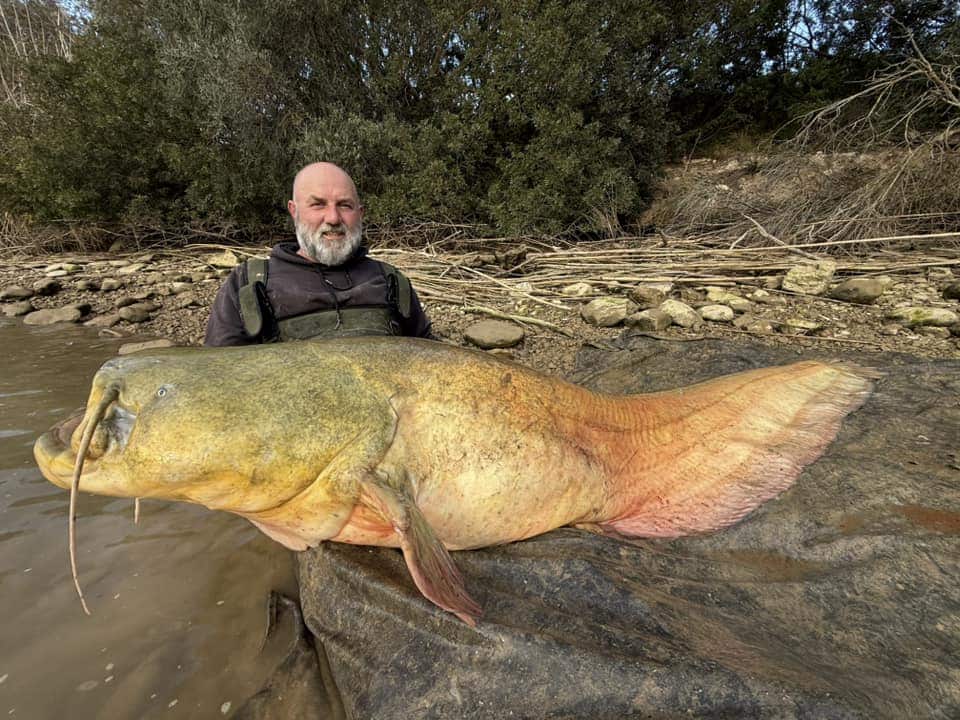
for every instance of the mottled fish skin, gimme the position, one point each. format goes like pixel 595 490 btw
pixel 424 446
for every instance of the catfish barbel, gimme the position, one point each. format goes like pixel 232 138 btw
pixel 427 447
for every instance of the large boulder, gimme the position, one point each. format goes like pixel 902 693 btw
pixel 836 600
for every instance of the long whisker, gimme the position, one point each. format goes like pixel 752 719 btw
pixel 109 396
pixel 136 511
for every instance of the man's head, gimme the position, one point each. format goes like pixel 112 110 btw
pixel 326 213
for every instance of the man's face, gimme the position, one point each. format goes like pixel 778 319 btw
pixel 327 216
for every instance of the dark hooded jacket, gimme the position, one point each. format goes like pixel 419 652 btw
pixel 297 286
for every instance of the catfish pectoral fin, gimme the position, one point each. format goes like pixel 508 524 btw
pixel 429 563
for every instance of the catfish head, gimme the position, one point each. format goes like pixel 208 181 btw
pixel 205 427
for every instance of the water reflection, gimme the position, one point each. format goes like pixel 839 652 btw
pixel 178 602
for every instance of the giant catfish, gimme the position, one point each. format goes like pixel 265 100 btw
pixel 430 448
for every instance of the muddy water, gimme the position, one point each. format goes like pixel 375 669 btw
pixel 178 601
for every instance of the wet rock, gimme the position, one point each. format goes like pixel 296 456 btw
pixel 811 278
pixel 838 599
pixel 681 313
pixel 579 289
pixel 607 311
pixel 489 334
pixel 104 321
pixel 914 316
pixel 862 291
pixel 88 284
pixel 225 259
pixel 952 291
pixel 16 309
pixel 716 313
pixel 647 296
pixel 128 348
pixel 15 292
pixel 49 316
pixel 138 312
pixel 754 324
pixel 46 287
pixel 110 284
pixel 652 320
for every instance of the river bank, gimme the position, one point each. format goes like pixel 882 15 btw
pixel 870 304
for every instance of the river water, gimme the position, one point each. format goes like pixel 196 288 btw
pixel 178 602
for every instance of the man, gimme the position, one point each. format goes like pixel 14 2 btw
pixel 324 285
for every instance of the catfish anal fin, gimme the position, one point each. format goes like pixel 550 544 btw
pixel 429 563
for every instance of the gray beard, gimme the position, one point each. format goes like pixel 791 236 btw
pixel 313 244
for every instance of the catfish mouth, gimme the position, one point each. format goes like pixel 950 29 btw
pixel 56 450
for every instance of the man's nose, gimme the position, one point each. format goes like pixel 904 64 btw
pixel 331 215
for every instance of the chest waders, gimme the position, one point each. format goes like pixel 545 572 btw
pixel 259 320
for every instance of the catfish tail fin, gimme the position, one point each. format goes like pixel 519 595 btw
pixel 709 454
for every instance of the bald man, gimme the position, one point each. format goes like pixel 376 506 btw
pixel 322 285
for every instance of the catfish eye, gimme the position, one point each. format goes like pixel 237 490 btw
pixel 161 392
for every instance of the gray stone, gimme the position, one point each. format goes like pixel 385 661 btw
pixel 952 291
pixel 800 325
pixel 577 289
pixel 754 324
pixel 104 321
pixel 138 312
pixel 607 311
pixel 15 292
pixel 48 286
pixel 180 287
pixel 933 331
pixel 488 334
pixel 128 348
pixel 56 274
pixel 185 300
pixel 649 320
pixel 764 297
pixel 681 313
pixel 716 313
pixel 862 291
pixel 811 278
pixel 646 296
pixel 131 269
pixel 49 316
pixel 16 309
pixel 109 284
pixel 914 316
pixel 225 259
pixel 723 296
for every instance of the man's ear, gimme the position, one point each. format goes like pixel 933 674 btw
pixel 292 209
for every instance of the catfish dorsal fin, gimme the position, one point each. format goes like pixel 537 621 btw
pixel 429 562
pixel 711 453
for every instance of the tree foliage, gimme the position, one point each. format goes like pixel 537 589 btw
pixel 526 115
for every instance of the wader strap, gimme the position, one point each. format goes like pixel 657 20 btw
pixel 348 322
pixel 399 293
pixel 255 309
